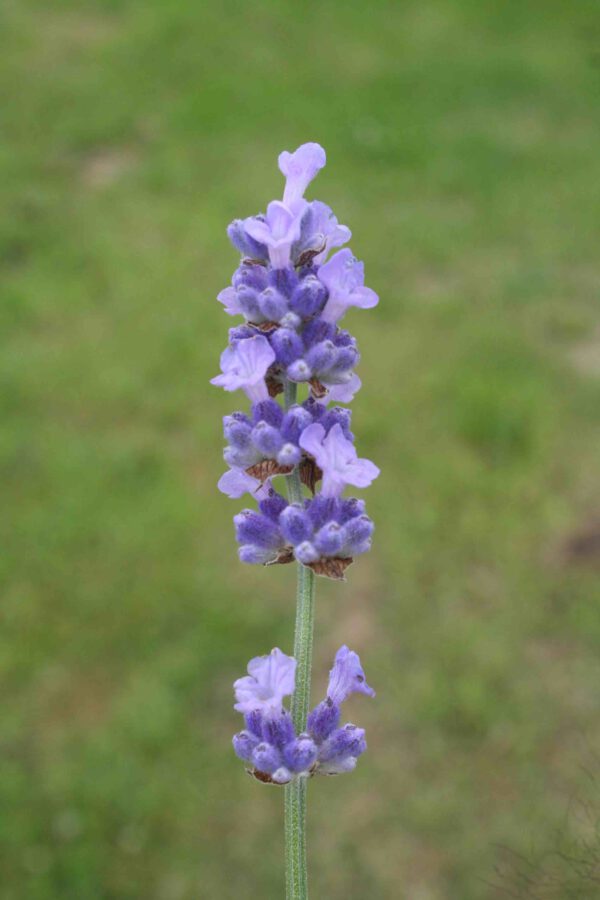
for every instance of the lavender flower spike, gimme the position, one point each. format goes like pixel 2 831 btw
pixel 336 456
pixel 295 363
pixel 299 168
pixel 270 678
pixel 245 366
pixel 347 677
pixel 344 278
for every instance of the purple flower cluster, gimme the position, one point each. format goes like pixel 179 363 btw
pixel 292 298
pixel 269 743
pixel 271 435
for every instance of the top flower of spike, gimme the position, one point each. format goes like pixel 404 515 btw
pixel 292 298
pixel 299 169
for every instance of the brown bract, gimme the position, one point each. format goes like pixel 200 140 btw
pixel 266 468
pixel 317 389
pixel 283 557
pixel 333 567
pixel 310 473
pixel 274 385
pixel 305 258
pixel 262 776
pixel 248 261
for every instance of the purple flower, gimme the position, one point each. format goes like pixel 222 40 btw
pixel 244 243
pixel 342 393
pixel 235 483
pixel 278 230
pixel 336 456
pixel 230 300
pixel 344 278
pixel 269 742
pixel 338 754
pixel 320 233
pixel 270 678
pixel 299 168
pixel 245 366
pixel 319 529
pixel 347 677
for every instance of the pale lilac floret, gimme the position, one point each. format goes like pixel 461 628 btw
pixel 270 678
pixel 245 366
pixel 341 393
pixel 336 456
pixel 344 278
pixel 320 233
pixel 347 677
pixel 299 168
pixel 230 300
pixel 236 482
pixel 278 230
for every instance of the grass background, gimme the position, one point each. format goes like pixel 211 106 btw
pixel 463 144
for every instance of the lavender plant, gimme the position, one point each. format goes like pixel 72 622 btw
pixel 292 298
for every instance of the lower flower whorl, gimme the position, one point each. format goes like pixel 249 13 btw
pixel 324 533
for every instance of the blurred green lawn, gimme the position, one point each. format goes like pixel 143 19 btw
pixel 463 142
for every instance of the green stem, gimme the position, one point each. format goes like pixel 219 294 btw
pixel 295 793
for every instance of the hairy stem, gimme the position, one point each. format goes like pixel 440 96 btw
pixel 295 793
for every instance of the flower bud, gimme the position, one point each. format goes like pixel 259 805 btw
pixel 253 528
pixel 267 439
pixel 272 304
pixel 306 553
pixel 244 243
pixel 299 755
pixel 269 410
pixel 266 758
pixel 299 371
pixel 323 719
pixel 283 280
pixel 309 297
pixel 287 345
pixel 244 743
pixel 321 356
pixel 248 301
pixel 356 532
pixel 278 730
pixel 289 455
pixel 255 556
pixel 251 276
pixel 329 539
pixel 236 433
pixel 346 741
pixel 290 320
pixel 294 422
pixel 295 524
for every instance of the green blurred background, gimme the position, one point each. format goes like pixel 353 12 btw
pixel 463 146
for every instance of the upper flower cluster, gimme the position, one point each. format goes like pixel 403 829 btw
pixel 292 298
pixel 269 742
